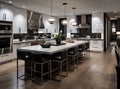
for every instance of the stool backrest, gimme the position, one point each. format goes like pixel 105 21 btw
pixel 23 55
pixel 37 57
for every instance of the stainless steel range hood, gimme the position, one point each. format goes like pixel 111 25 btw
pixel 83 22
pixel 35 20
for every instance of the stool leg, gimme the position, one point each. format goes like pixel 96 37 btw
pixel 50 69
pixel 42 73
pixel 67 68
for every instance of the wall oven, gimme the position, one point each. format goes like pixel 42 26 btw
pixel 6 44
pixel 6 27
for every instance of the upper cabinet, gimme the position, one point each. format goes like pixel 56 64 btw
pixel 97 23
pixel 20 21
pixel 6 12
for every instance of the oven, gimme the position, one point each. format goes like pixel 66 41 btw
pixel 6 44
pixel 6 27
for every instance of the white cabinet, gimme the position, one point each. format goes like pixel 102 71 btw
pixel 20 21
pixel 96 45
pixel 97 23
pixel 6 12
pixel 16 46
pixel 5 57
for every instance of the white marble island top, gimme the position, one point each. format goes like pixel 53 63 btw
pixel 52 49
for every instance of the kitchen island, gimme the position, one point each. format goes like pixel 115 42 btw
pixel 48 51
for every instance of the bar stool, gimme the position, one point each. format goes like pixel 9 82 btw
pixel 40 66
pixel 80 51
pixel 87 50
pixel 73 56
pixel 62 59
pixel 25 56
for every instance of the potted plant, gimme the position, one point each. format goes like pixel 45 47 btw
pixel 58 39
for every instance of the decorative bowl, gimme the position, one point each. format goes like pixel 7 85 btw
pixel 45 45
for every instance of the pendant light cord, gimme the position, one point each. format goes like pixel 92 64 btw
pixel 51 8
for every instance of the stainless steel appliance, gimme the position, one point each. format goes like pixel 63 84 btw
pixel 6 42
pixel 6 27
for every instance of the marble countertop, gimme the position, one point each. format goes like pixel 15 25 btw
pixel 83 38
pixel 26 41
pixel 52 49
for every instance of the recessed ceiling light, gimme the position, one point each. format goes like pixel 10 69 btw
pixel 10 1
pixel 115 11
pixel 93 12
pixel 23 6
pixel 2 5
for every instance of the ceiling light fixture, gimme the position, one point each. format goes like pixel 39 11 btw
pixel 51 20
pixel 10 1
pixel 64 22
pixel 74 23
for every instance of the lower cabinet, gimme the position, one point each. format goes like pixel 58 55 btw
pixel 96 45
pixel 5 57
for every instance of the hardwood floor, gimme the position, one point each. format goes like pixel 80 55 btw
pixel 96 73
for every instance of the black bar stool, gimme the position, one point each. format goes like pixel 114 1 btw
pixel 62 59
pixel 87 50
pixel 73 56
pixel 40 66
pixel 81 52
pixel 25 56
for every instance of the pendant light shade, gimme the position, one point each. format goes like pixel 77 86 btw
pixel 51 20
pixel 64 22
pixel 74 23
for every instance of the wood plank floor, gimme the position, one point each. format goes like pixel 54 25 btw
pixel 96 73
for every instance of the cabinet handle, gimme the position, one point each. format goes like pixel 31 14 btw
pixel 5 16
pixel 4 55
pixel 95 47
pixel 19 29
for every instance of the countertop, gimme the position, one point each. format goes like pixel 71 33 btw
pixel 83 38
pixel 27 41
pixel 52 49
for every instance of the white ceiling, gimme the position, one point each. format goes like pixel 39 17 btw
pixel 82 6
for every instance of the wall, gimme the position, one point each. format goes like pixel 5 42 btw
pixel 97 24
pixel 70 28
pixel 49 28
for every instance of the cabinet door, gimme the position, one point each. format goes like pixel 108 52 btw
pixel 20 21
pixel 6 12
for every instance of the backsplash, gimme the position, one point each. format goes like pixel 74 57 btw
pixel 32 36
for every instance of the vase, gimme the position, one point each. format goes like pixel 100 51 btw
pixel 58 41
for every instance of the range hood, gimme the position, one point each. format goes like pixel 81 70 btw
pixel 83 22
pixel 35 20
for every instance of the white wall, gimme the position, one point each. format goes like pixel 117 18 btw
pixel 49 28
pixel 70 28
pixel 98 23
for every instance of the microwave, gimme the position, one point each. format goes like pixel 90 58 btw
pixel 5 27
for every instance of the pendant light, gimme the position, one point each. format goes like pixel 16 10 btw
pixel 64 22
pixel 51 20
pixel 74 23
